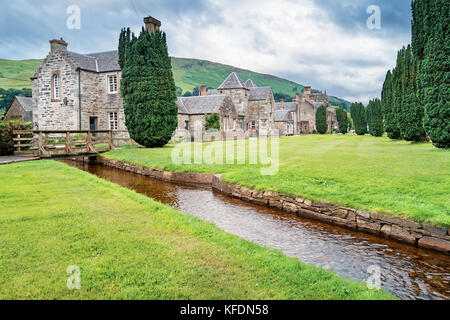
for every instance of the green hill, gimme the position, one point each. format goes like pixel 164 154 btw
pixel 188 74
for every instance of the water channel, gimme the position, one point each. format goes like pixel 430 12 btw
pixel 407 272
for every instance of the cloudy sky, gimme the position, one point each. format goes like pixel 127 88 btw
pixel 323 43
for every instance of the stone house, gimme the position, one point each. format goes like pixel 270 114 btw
pixel 192 112
pixel 303 110
pixel 284 122
pixel 255 106
pixel 73 91
pixel 21 108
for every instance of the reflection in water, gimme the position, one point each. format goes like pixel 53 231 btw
pixel 407 272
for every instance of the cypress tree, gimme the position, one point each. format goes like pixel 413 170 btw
pixel 387 101
pixel 434 71
pixel 358 113
pixel 341 115
pixel 148 89
pixel 375 118
pixel 321 120
pixel 410 112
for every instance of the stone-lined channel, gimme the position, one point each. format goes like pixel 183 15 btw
pixel 407 272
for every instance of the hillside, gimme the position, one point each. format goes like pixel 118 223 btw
pixel 188 74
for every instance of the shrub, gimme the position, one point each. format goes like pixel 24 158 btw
pixel 212 121
pixel 6 135
pixel 321 120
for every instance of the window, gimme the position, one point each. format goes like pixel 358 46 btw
pixel 112 84
pixel 186 125
pixel 113 124
pixel 56 87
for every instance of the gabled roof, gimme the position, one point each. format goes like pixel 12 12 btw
pixel 25 102
pixel 250 84
pixel 259 93
pixel 291 106
pixel 96 62
pixel 200 104
pixel 232 82
pixel 282 115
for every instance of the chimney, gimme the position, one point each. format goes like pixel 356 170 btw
pixel 152 24
pixel 282 104
pixel 203 90
pixel 297 97
pixel 307 90
pixel 58 45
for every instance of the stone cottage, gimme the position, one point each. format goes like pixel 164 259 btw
pixel 255 106
pixel 21 108
pixel 192 111
pixel 73 91
pixel 303 111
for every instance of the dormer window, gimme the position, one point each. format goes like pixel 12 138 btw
pixel 56 86
pixel 112 84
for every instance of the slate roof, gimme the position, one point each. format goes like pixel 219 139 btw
pixel 282 115
pixel 291 106
pixel 97 62
pixel 212 92
pixel 200 105
pixel 232 82
pixel 25 102
pixel 318 104
pixel 259 93
pixel 250 84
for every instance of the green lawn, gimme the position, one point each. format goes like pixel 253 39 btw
pixel 393 177
pixel 130 247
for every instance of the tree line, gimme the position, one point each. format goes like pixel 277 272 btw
pixel 416 94
pixel 415 99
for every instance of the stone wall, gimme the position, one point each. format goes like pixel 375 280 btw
pixel 50 114
pixel 389 227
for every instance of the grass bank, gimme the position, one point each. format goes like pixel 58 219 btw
pixel 130 247
pixel 393 177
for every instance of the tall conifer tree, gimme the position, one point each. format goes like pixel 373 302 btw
pixel 148 88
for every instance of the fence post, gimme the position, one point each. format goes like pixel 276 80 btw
pixel 110 144
pixel 18 145
pixel 89 147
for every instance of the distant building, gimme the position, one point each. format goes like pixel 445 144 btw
pixel 303 111
pixel 20 108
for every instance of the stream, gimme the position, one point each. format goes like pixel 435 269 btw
pixel 407 272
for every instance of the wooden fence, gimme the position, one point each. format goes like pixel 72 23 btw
pixel 48 144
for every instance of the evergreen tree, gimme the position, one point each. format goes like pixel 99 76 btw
pixel 387 101
pixel 375 118
pixel 321 120
pixel 410 112
pixel 341 116
pixel 148 89
pixel 358 112
pixel 432 43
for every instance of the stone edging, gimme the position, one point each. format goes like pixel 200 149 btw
pixel 389 227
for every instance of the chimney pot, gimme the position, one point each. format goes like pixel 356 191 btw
pixel 282 104
pixel 152 24
pixel 203 90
